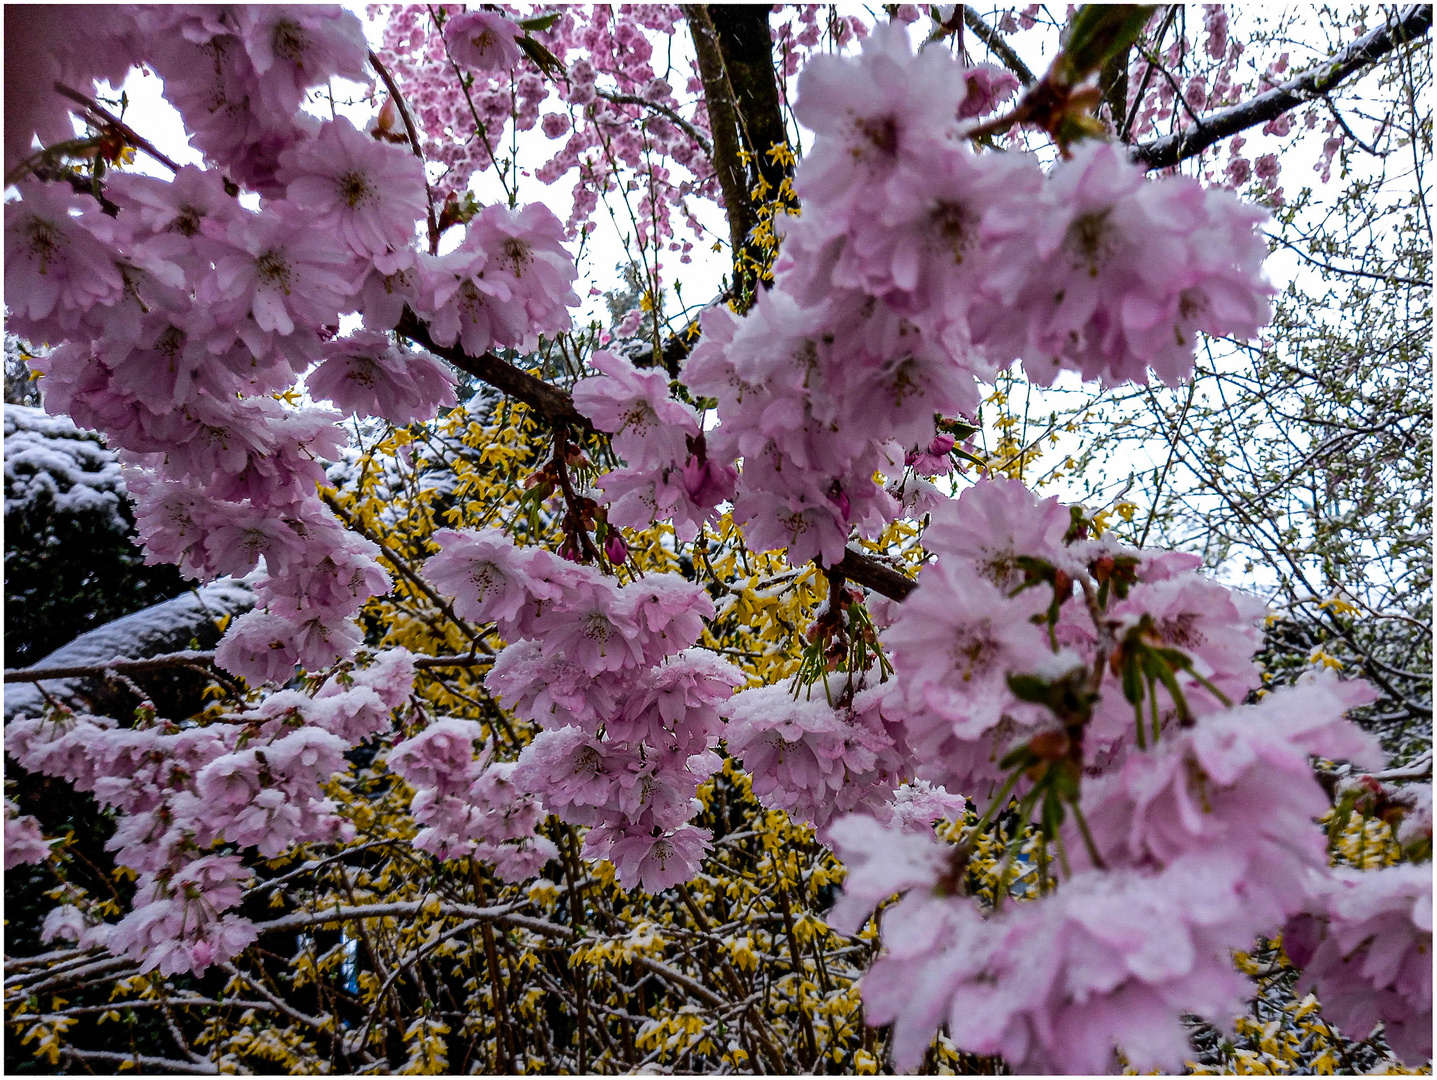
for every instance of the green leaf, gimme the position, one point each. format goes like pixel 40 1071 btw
pixel 1053 814
pixel 1097 33
pixel 1064 779
pixel 1031 688
pixel 1132 679
pixel 547 61
pixel 539 22
pixel 957 428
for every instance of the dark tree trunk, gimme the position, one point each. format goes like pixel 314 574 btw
pixel 735 57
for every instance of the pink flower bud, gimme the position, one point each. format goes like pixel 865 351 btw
pixel 615 548
pixel 388 116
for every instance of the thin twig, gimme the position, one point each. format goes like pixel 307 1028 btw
pixel 134 138
pixel 659 107
pixel 402 565
pixel 413 133
pixel 995 41
pixel 1318 81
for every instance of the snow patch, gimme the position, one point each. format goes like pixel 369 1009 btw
pixel 161 628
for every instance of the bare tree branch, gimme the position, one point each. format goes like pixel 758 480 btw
pixel 663 110
pixel 118 666
pixel 1366 51
pixel 413 132
pixel 553 404
pixel 143 1060
pixel 130 135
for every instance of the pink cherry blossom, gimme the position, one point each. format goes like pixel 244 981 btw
pixel 293 49
pixel 367 373
pixel 24 841
pixel 483 40
pixel 993 524
pixel 871 110
pixel 954 643
pixel 988 87
pixel 260 647
pixel 489 578
pixel 372 193
pixel 1372 958
pixel 650 429
pixel 55 269
pixel 1116 273
pixel 280 270
pixel 655 863
pixel 442 756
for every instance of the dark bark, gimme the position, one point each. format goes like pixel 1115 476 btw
pixel 723 126
pixel 553 404
pixel 734 48
pixel 1412 23
pixel 872 574
pixel 1113 84
pixel 747 46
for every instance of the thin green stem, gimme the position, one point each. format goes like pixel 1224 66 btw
pixel 1087 836
pixel 1000 800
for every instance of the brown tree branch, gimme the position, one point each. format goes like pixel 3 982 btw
pixel 867 571
pixel 143 1061
pixel 1414 22
pixel 401 565
pixel 667 113
pixel 551 403
pixel 188 659
pixel 131 136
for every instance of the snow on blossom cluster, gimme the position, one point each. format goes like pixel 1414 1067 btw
pixel 920 266
pixel 818 760
pixel 469 804
pixel 627 704
pixel 1187 823
pixel 667 475
pixel 191 800
pixel 1365 947
pixel 178 313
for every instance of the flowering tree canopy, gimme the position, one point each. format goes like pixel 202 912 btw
pixel 702 691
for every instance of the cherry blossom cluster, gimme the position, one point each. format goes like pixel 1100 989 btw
pixel 667 475
pixel 976 619
pixel 627 705
pixel 1094 685
pixel 608 129
pixel 192 799
pixel 24 840
pixel 920 266
pixel 814 759
pixel 178 312
pixel 1365 947
pixel 468 803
